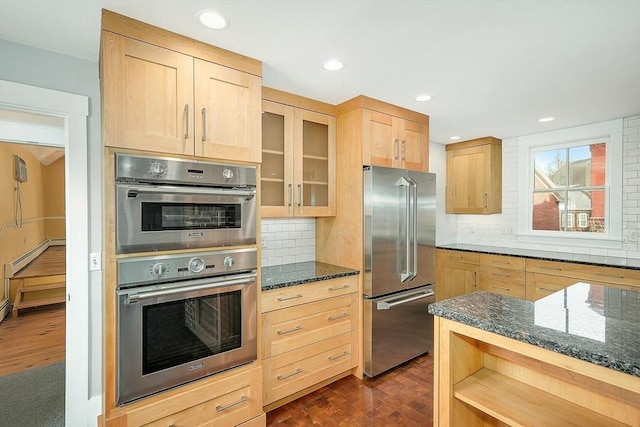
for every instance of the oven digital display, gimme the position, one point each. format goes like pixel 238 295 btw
pixel 183 331
pixel 188 216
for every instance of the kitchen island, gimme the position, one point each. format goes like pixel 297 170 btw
pixel 571 358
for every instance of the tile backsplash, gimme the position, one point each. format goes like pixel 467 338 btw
pixel 288 240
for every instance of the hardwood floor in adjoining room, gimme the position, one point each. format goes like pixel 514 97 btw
pixel 400 397
pixel 35 338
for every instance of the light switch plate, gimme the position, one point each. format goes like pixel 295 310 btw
pixel 95 261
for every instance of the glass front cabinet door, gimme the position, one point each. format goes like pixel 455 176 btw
pixel 298 162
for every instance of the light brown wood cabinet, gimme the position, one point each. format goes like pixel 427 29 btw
pixel 390 136
pixel 474 176
pixel 158 99
pixel 502 275
pixel 460 272
pixel 395 142
pixel 157 87
pixel 485 379
pixel 456 273
pixel 298 176
pixel 309 337
pixel 230 398
pixel 546 277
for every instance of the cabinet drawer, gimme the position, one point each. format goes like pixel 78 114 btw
pixel 502 261
pixel 302 294
pixel 492 274
pixel 541 285
pixel 296 370
pixel 295 327
pixel 502 281
pixel 458 256
pixel 610 275
pixel 230 401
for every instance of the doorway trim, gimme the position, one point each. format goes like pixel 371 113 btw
pixel 74 109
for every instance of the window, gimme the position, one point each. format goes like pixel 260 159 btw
pixel 570 186
pixel 569 182
pixel 583 221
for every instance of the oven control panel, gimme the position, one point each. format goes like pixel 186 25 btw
pixel 163 268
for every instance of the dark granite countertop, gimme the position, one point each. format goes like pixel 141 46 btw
pixel 605 261
pixel 281 276
pixel 594 323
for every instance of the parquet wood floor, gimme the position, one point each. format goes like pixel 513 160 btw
pixel 36 338
pixel 400 397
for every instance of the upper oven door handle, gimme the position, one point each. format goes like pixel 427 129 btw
pixel 208 191
pixel 210 284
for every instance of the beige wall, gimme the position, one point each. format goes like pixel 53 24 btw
pixel 54 200
pixel 42 197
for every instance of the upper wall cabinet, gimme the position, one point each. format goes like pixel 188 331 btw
pixel 474 176
pixel 298 156
pixel 391 136
pixel 167 94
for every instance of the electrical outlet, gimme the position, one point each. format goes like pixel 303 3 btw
pixel 95 261
pixel 633 236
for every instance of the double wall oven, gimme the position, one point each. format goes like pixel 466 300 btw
pixel 183 315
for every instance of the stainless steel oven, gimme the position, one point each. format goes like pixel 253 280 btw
pixel 183 317
pixel 166 203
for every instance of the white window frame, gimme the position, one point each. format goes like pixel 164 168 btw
pixel 570 220
pixel 583 220
pixel 609 132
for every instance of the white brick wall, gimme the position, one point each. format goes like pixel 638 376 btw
pixel 288 240
pixel 499 229
pixel 631 184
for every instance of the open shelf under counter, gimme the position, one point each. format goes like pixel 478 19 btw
pixel 570 358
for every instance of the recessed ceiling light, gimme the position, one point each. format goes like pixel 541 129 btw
pixel 453 138
pixel 333 65
pixel 212 19
pixel 546 119
pixel 423 98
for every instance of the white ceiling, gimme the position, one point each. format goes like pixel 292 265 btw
pixel 492 67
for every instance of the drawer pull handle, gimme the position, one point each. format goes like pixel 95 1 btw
pixel 501 274
pixel 339 317
pixel 551 268
pixel 343 354
pixel 284 377
pixel 297 328
pixel 500 287
pixel 501 262
pixel 288 298
pixel 341 287
pixel 548 290
pixel 230 405
pixel 613 276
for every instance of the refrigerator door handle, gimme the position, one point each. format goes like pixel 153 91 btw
pixel 406 273
pixel 387 304
pixel 414 270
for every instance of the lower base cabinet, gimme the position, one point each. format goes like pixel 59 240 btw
pixel 461 272
pixel 291 372
pixel 309 337
pixel 233 399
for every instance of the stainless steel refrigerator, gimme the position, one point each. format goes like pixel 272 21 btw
pixel 399 247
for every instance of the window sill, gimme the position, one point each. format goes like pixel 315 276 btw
pixel 586 241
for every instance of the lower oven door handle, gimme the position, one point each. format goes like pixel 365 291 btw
pixel 133 298
pixel 231 192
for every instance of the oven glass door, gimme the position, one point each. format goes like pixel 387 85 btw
pixel 152 218
pixel 179 332
pixel 170 335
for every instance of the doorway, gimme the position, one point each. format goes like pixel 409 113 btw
pixel 73 110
